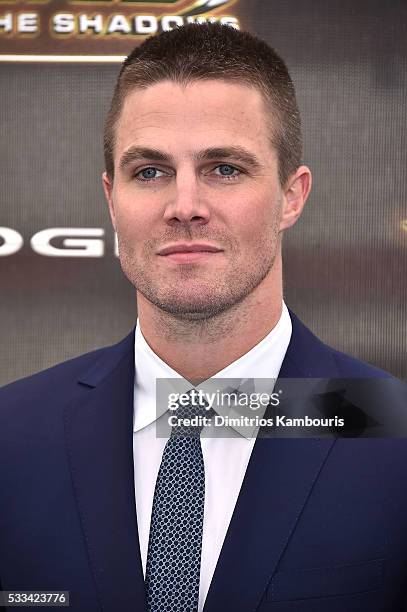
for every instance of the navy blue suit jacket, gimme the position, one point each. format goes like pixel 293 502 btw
pixel 320 524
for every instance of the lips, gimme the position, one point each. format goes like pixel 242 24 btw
pixel 189 248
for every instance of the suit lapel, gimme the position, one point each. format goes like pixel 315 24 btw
pixel 98 431
pixel 278 481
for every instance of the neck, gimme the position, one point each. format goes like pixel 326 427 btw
pixel 198 349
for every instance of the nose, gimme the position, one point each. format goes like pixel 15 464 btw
pixel 187 204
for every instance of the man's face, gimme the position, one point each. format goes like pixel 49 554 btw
pixel 194 169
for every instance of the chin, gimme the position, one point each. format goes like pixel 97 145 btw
pixel 189 310
pixel 195 310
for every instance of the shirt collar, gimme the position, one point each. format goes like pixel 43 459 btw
pixel 263 361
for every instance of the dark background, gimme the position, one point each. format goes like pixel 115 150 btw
pixel 346 259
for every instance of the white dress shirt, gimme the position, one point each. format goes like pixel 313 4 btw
pixel 225 458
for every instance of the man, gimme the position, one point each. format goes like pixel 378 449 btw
pixel 203 176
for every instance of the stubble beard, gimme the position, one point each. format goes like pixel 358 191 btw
pixel 184 295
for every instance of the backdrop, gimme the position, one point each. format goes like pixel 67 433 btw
pixel 345 261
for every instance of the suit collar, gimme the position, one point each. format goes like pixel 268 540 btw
pixel 107 360
pixel 307 356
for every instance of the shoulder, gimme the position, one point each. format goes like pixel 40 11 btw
pixel 314 358
pixel 349 366
pixel 61 380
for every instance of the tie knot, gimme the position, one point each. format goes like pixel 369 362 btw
pixel 190 418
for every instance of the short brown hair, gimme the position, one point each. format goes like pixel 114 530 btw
pixel 196 52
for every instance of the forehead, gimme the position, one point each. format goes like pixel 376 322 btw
pixel 209 113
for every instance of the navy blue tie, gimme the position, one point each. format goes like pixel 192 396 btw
pixel 175 542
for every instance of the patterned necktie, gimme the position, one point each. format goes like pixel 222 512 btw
pixel 174 547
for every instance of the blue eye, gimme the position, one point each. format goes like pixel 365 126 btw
pixel 149 174
pixel 227 171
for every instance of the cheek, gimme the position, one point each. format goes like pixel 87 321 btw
pixel 131 233
pixel 257 220
pixel 135 215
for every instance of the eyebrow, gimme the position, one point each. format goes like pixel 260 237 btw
pixel 240 154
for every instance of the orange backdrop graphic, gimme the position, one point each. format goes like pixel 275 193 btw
pixel 55 27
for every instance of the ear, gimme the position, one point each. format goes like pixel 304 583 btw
pixel 296 192
pixel 108 189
